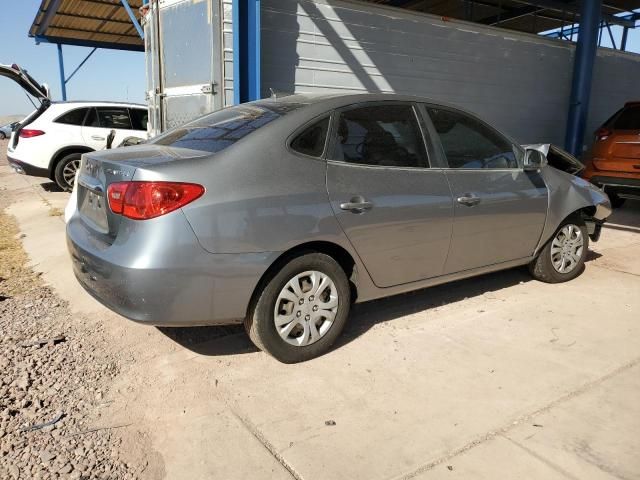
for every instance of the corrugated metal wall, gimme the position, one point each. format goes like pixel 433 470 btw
pixel 519 82
pixel 227 52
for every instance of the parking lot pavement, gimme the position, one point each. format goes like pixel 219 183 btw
pixel 493 377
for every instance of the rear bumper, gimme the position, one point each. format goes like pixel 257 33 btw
pixel 25 168
pixel 174 284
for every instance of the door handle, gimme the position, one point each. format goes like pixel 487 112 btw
pixel 98 137
pixel 357 205
pixel 469 199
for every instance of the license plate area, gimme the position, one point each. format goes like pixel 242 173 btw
pixel 93 209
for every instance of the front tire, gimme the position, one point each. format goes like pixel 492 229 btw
pixel 65 172
pixel 301 310
pixel 562 258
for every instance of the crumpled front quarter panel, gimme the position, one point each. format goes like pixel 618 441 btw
pixel 567 194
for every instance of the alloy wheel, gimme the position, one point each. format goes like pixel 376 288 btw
pixel 306 308
pixel 566 249
pixel 69 172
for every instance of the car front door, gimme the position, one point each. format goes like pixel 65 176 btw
pixel 500 209
pixel 99 123
pixel 395 209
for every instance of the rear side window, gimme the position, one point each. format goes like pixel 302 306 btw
pixel 382 135
pixel 139 118
pixel 470 144
pixel 219 130
pixel 114 117
pixel 311 141
pixel 629 119
pixel 74 117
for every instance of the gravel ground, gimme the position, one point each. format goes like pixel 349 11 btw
pixel 54 369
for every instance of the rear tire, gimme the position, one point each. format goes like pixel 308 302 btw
pixel 2 136
pixel 562 258
pixel 65 172
pixel 301 310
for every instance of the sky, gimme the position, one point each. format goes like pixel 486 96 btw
pixel 107 75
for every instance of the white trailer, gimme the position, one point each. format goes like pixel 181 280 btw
pixel 520 82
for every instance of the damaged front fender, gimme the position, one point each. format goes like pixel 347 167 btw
pixel 568 195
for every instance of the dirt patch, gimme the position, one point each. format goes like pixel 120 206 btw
pixel 55 372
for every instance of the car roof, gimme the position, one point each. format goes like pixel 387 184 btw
pixel 98 103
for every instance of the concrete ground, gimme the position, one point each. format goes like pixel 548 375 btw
pixel 494 377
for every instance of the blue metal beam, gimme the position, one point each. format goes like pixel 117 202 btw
pixel 88 43
pixel 80 66
pixel 63 85
pixel 133 18
pixel 582 75
pixel 246 50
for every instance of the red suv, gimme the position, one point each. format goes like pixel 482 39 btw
pixel 614 160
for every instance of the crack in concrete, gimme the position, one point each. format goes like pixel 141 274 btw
pixel 517 422
pixel 258 435
pixel 540 458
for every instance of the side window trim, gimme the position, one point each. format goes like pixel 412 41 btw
pixel 333 129
pixel 520 166
pixel 300 130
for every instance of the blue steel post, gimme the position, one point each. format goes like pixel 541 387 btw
pixel 582 75
pixel 63 85
pixel 246 50
pixel 133 18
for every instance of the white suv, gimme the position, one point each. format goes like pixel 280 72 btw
pixel 50 141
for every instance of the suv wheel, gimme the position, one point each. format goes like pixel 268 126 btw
pixel 302 309
pixel 65 172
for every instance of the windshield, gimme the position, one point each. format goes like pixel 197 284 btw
pixel 218 130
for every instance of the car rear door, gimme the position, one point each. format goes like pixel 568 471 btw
pixel 99 123
pixel 393 205
pixel 500 209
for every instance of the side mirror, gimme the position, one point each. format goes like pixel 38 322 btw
pixel 110 137
pixel 534 160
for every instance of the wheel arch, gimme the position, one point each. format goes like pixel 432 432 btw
pixel 63 152
pixel 341 255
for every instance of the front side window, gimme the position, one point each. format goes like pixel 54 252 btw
pixel 74 117
pixel 470 144
pixel 311 141
pixel 381 135
pixel 114 117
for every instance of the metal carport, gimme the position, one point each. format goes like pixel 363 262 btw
pixel 95 24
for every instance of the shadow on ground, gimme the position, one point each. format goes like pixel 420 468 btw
pixel 225 340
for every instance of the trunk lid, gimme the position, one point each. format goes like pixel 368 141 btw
pixel 26 81
pixel 100 169
pixel 625 153
pixel 37 90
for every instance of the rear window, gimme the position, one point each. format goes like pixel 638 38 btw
pixel 629 119
pixel 219 130
pixel 74 117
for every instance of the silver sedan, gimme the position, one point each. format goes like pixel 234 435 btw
pixel 282 212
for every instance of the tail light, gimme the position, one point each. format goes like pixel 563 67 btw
pixel 30 133
pixel 602 134
pixel 144 200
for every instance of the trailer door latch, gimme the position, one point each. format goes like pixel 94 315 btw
pixel 210 88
